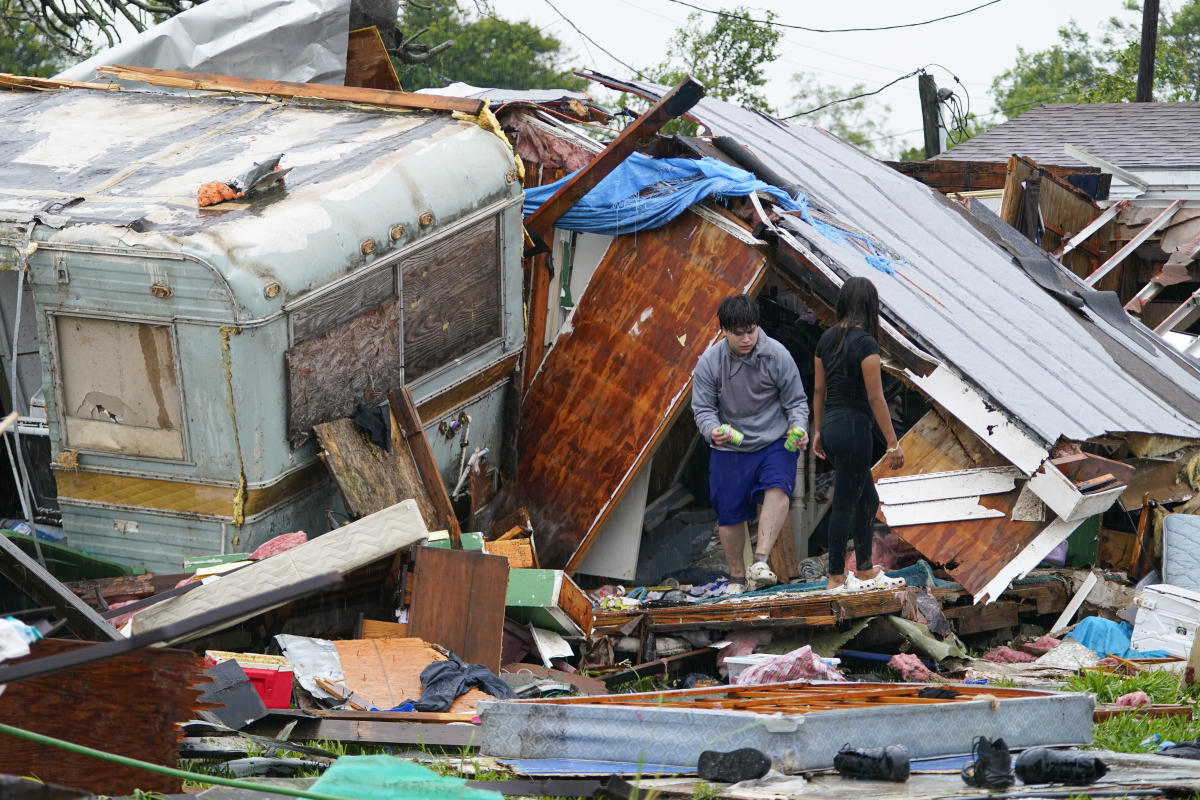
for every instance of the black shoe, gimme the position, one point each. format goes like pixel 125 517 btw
pixel 874 763
pixel 992 767
pixel 1043 765
pixel 737 765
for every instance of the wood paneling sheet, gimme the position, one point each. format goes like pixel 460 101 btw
pixel 367 62
pixel 328 376
pixel 458 602
pixel 620 371
pixel 127 705
pixel 974 551
pixel 452 298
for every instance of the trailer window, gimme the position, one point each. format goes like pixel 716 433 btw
pixel 119 388
pixel 452 299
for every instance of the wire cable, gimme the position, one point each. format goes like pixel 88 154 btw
pixel 854 97
pixel 721 13
pixel 602 49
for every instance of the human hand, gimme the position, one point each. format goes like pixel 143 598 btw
pixel 802 442
pixel 894 457
pixel 719 436
pixel 816 444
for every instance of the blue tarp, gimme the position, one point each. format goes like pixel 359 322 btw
pixel 1110 638
pixel 643 193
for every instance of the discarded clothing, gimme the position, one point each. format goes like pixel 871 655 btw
pixel 15 638
pixel 377 423
pixel 443 681
pixel 938 692
pixel 1107 637
pixel 800 664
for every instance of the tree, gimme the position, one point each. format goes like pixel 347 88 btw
pixel 856 121
pixel 1083 69
pixel 27 53
pixel 69 26
pixel 728 57
pixel 486 51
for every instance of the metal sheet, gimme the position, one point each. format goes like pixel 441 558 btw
pixel 283 40
pixel 958 294
pixel 794 742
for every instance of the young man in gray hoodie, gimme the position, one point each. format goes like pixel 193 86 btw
pixel 749 382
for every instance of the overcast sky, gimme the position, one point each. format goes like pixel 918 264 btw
pixel 976 46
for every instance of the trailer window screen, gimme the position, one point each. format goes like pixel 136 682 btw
pixel 119 388
pixel 452 299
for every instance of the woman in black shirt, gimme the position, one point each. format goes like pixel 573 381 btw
pixel 847 394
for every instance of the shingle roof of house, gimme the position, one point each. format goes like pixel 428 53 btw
pixel 1127 134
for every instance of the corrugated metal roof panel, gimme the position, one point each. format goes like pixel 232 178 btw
pixel 959 294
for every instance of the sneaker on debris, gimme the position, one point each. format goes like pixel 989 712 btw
pixel 734 587
pixel 992 767
pixel 760 575
pixel 732 767
pixel 1043 765
pixel 873 763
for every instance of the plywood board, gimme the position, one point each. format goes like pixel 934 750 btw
pixel 367 62
pixel 388 671
pixel 458 602
pixel 369 477
pixel 328 376
pixel 620 371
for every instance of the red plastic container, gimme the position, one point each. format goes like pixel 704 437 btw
pixel 271 676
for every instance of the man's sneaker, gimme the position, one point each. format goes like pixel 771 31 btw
pixel 992 767
pixel 1043 765
pixel 759 575
pixel 737 765
pixel 873 763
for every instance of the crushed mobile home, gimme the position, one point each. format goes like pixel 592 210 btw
pixel 186 353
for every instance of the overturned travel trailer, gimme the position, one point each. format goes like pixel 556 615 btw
pixel 183 354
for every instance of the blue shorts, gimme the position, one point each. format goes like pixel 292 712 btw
pixel 736 481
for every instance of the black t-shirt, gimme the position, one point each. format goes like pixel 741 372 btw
pixel 844 387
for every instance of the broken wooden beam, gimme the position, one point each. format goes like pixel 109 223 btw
pixel 42 587
pixel 348 94
pixel 405 410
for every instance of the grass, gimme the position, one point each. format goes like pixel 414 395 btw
pixel 1124 733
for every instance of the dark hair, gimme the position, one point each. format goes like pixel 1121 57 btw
pixel 857 307
pixel 738 313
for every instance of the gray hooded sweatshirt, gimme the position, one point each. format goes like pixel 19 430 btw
pixel 759 394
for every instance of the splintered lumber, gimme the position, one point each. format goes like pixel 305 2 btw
pixel 405 414
pixel 388 671
pixel 369 477
pixel 127 705
pixel 350 94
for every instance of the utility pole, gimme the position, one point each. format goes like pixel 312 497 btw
pixel 927 88
pixel 1145 80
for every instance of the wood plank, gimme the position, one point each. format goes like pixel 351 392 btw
pixel 576 458
pixel 379 629
pixel 35 581
pixel 388 671
pixel 349 94
pixel 457 395
pixel 518 552
pixel 950 175
pixel 324 313
pixel 127 705
pixel 672 104
pixel 458 602
pixel 370 478
pixel 411 429
pixel 368 64
pixel 984 617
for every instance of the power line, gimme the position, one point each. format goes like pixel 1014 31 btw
pixel 634 70
pixel 854 97
pixel 721 13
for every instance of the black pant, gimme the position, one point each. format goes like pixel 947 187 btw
pixel 846 435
